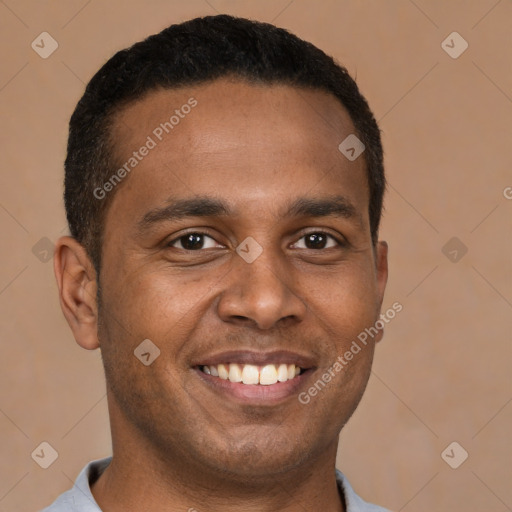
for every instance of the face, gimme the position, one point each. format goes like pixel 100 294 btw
pixel 240 246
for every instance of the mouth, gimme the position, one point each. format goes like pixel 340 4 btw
pixel 252 376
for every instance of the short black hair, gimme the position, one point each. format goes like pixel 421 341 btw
pixel 198 51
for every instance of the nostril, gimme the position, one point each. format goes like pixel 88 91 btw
pixel 241 319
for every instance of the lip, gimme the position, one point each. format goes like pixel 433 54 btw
pixel 256 394
pixel 257 358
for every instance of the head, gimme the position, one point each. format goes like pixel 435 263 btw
pixel 198 51
pixel 212 213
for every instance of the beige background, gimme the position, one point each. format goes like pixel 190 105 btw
pixel 442 372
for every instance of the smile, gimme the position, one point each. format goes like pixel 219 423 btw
pixel 255 377
pixel 251 374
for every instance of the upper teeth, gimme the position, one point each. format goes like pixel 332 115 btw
pixel 251 374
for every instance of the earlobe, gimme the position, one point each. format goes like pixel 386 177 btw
pixel 381 259
pixel 76 280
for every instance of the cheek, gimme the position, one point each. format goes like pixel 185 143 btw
pixel 153 303
pixel 346 300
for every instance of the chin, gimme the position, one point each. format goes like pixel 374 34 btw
pixel 258 459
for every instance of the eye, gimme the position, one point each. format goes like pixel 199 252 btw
pixel 317 240
pixel 194 242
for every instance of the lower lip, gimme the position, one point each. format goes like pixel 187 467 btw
pixel 256 393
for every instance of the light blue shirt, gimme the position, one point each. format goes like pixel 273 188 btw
pixel 80 499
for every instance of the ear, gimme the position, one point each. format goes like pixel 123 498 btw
pixel 381 261
pixel 76 279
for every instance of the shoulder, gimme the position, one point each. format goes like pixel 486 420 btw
pixel 79 498
pixel 63 502
pixel 353 502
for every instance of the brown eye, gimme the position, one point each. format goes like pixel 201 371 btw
pixel 317 240
pixel 194 242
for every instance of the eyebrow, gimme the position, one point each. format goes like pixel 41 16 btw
pixel 337 206
pixel 182 208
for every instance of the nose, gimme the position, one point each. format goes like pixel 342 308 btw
pixel 260 294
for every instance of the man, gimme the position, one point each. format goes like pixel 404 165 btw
pixel 224 184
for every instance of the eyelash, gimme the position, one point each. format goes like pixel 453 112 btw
pixel 178 239
pixel 338 242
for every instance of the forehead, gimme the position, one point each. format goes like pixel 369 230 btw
pixel 231 138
